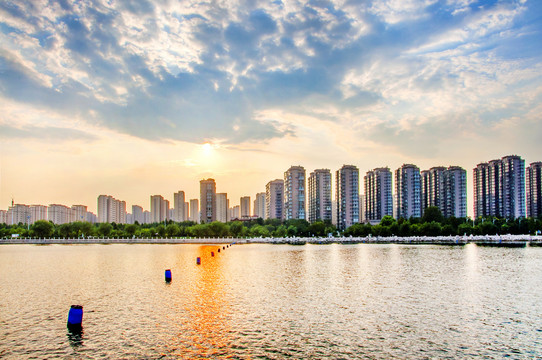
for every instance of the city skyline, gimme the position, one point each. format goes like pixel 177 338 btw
pixel 162 95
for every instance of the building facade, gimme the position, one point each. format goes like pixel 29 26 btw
pixel 320 195
pixel 274 199
pixel 222 207
pixel 194 210
pixel 294 193
pixel 59 214
pixel 137 214
pixel 207 200
pixel 378 194
pixel 347 196
pixel 259 205
pixel 499 188
pixel 534 190
pixel 408 191
pixel 455 192
pixel 111 210
pixel 178 206
pixel 244 204
pixel 159 209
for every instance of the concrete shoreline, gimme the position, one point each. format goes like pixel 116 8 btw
pixel 485 240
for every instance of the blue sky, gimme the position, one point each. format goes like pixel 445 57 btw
pixel 114 91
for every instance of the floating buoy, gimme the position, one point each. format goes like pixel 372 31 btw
pixel 223 248
pixel 168 275
pixel 198 260
pixel 212 253
pixel 75 318
pixel 218 249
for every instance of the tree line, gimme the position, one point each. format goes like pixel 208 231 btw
pixel 432 223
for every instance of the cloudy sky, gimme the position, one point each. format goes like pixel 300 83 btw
pixel 135 98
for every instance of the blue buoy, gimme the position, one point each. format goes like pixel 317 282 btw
pixel 212 253
pixel 198 260
pixel 168 275
pixel 75 318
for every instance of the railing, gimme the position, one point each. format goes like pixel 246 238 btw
pixel 487 240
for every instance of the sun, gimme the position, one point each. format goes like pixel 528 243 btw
pixel 207 147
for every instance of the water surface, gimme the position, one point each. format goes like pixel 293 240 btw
pixel 271 301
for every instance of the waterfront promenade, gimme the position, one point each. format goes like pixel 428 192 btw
pixel 482 240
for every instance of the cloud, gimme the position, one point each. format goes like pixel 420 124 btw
pixel 55 134
pixel 178 71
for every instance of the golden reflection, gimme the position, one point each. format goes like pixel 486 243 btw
pixel 209 333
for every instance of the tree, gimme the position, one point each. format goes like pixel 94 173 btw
pixel 432 213
pixel 130 230
pixel 219 229
pixel 65 230
pixel 236 228
pixel 42 229
pixel 104 229
pixel 172 230
pixel 387 220
pixel 317 228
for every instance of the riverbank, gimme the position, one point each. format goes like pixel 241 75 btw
pixel 487 240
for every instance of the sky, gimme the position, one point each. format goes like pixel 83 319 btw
pixel 136 98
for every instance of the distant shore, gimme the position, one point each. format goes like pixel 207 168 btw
pixel 486 240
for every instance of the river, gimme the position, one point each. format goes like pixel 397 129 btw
pixel 262 301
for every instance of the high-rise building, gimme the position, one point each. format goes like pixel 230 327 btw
pixel 137 214
pixel 446 189
pixel 222 207
pixel 499 188
pixel 408 191
pixel 3 217
pixel 274 199
pixel 194 210
pixel 320 195
pixel 455 192
pixel 259 205
pixel 79 213
pixel 347 189
pixel 235 212
pixel 432 188
pixel 38 212
pixel 186 211
pixel 19 213
pixel 147 217
pixel 111 210
pixel 294 193
pixel 91 217
pixel 159 209
pixel 378 194
pixel 480 181
pixel 513 186
pixel 207 190
pixel 178 206
pixel 534 190
pixel 425 181
pixel 59 214
pixel 244 204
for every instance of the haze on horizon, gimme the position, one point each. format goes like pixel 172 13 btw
pixel 135 98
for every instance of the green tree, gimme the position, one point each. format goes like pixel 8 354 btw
pixel 172 230
pixel 130 230
pixel 65 230
pixel 42 229
pixel 387 220
pixel 104 229
pixel 219 229
pixel 432 228
pixel 236 228
pixel 317 228
pixel 465 229
pixel 432 214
